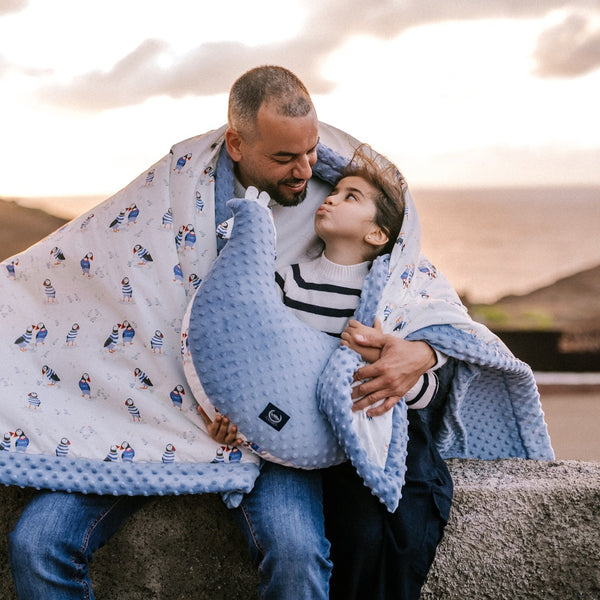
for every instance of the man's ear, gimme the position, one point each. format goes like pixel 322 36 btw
pixel 233 141
pixel 377 237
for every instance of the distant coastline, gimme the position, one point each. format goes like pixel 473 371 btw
pixel 64 207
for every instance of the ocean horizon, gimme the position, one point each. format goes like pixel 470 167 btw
pixel 489 242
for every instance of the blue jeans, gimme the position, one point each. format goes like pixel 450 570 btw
pixel 57 533
pixel 283 521
pixel 55 537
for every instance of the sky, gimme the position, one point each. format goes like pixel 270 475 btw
pixel 456 92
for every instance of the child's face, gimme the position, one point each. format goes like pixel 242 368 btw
pixel 348 212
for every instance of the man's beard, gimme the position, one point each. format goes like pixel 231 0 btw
pixel 278 197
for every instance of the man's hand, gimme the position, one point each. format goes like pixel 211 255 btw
pixel 400 365
pixel 221 429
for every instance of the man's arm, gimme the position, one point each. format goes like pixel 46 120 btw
pixel 397 370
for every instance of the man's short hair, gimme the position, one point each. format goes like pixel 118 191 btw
pixel 262 84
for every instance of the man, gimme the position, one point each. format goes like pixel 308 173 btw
pixel 272 139
pixel 273 143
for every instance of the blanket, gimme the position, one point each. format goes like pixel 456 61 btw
pixel 266 376
pixel 93 397
pixel 93 394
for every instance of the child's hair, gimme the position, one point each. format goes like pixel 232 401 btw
pixel 389 202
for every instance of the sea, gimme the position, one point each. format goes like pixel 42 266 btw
pixel 489 242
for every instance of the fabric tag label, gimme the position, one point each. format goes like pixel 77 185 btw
pixel 274 417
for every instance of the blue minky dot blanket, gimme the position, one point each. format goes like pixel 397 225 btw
pixel 253 357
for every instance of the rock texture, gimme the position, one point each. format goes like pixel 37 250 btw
pixel 518 529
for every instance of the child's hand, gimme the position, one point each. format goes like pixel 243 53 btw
pixel 221 429
pixel 353 330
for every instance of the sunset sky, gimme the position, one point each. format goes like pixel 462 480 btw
pixel 457 93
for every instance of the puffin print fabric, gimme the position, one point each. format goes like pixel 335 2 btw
pixel 93 396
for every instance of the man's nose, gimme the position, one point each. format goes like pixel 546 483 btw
pixel 303 168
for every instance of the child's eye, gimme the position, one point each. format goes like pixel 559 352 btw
pixel 351 197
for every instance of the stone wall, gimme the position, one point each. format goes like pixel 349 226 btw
pixel 518 529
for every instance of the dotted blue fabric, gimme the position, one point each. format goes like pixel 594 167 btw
pixel 253 357
pixel 125 479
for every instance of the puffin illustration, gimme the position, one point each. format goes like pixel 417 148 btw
pixel 112 340
pixel 220 455
pixel 49 291
pixel 429 269
pixel 10 268
pixel 169 454
pixel 51 375
pixel 84 386
pixel 24 340
pixel 178 273
pixel 185 345
pixel 167 219
pixel 176 396
pixel 407 275
pixel 235 455
pixel 116 223
pixel 190 237
pixel 156 342
pixel 41 333
pixel 112 455
pixel 133 410
pixel 400 324
pixel 128 452
pixel 210 171
pixel 150 177
pixel 199 202
pixel 33 400
pixel 85 264
pixel 126 289
pixel 195 280
pixel 22 440
pixel 181 162
pixel 5 443
pixel 86 222
pixel 63 447
pixel 132 214
pixel 179 236
pixel 143 255
pixel 128 332
pixel 58 255
pixel 72 334
pixel 223 230
pixel 387 311
pixel 144 380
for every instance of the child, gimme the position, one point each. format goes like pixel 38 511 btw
pixel 359 220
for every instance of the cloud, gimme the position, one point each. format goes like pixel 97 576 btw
pixel 11 6
pixel 204 71
pixel 569 49
pixel 211 67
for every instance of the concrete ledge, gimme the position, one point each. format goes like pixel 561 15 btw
pixel 518 529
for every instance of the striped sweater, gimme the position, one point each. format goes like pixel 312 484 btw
pixel 325 295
